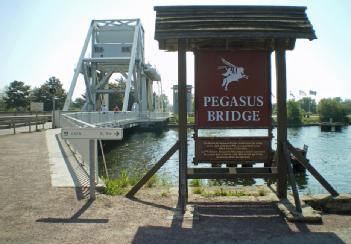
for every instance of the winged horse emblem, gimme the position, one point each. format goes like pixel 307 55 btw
pixel 232 73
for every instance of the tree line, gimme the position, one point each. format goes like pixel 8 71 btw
pixel 17 96
pixel 327 109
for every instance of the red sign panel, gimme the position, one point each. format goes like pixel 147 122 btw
pixel 232 89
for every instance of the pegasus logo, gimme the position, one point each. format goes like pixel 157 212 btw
pixel 233 73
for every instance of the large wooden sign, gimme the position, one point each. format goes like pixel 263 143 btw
pixel 232 89
pixel 237 149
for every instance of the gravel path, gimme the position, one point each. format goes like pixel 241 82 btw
pixel 32 211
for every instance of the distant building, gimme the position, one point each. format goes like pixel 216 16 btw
pixel 189 99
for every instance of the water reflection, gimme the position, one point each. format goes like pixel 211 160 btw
pixel 329 153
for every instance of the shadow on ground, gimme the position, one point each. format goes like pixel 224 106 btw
pixel 232 222
pixel 75 218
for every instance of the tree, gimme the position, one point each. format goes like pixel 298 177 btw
pixel 331 108
pixel 308 105
pixel 44 94
pixel 117 97
pixel 17 95
pixel 2 102
pixel 346 104
pixel 294 113
pixel 78 104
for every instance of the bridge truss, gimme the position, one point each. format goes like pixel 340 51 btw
pixel 117 47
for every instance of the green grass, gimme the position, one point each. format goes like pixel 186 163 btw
pixel 198 190
pixel 195 183
pixel 312 119
pixel 114 187
pixel 262 192
pixel 175 120
pixel 152 182
pixel 221 192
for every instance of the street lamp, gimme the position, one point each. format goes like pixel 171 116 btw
pixel 53 92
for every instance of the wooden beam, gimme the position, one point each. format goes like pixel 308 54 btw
pixel 153 170
pixel 292 180
pixel 183 186
pixel 281 122
pixel 302 160
pixel 231 173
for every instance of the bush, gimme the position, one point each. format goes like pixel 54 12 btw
pixel 113 187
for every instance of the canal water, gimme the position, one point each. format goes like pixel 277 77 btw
pixel 329 153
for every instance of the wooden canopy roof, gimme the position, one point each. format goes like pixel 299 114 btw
pixel 231 27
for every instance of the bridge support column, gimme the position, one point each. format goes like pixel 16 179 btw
pixel 144 98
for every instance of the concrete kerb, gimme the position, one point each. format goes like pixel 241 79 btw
pixel 313 206
pixel 288 210
pixel 66 168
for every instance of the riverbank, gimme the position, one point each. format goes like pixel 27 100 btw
pixel 33 211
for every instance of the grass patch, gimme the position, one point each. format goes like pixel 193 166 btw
pixel 195 183
pixel 123 178
pixel 152 182
pixel 117 186
pixel 114 187
pixel 221 192
pixel 198 190
pixel 164 194
pixel 312 119
pixel 262 192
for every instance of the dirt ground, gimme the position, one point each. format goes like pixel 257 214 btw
pixel 31 211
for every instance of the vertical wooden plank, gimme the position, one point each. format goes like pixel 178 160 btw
pixel 14 126
pixel 92 168
pixel 281 121
pixel 36 121
pixel 182 123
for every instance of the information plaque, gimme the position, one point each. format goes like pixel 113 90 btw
pixel 237 149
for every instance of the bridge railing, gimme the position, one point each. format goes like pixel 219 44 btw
pixel 116 119
pixel 153 115
pixel 101 118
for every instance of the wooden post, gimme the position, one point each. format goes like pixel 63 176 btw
pixel 36 121
pixel 14 126
pixel 281 121
pixel 312 170
pixel 182 123
pixel 92 146
pixel 292 180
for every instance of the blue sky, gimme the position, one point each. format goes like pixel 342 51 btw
pixel 43 38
